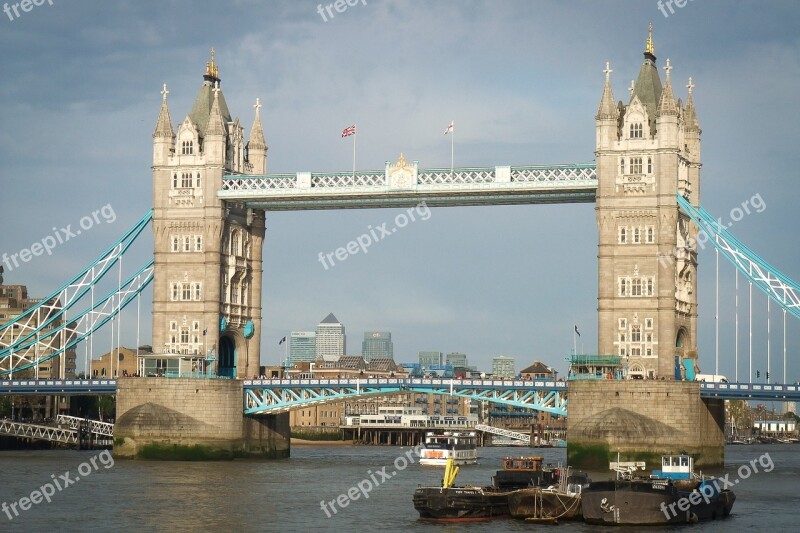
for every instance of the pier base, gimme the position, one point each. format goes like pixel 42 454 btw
pixel 642 420
pixel 193 419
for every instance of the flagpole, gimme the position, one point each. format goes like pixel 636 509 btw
pixel 355 132
pixel 452 144
pixel 574 341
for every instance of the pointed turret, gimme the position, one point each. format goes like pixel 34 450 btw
pixel 690 113
pixel 607 109
pixel 666 105
pixel 164 122
pixel 606 120
pixel 214 141
pixel 163 135
pixel 257 145
pixel 216 123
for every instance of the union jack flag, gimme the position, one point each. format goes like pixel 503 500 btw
pixel 351 130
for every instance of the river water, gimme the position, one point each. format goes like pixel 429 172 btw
pixel 285 495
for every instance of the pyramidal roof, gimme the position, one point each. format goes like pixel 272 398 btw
pixel 330 319
pixel 648 84
pixel 201 110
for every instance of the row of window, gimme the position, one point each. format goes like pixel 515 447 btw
pixel 187 243
pixel 636 234
pixel 173 326
pixel 184 292
pixel 185 181
pixel 187 147
pixel 636 130
pixel 639 286
pixel 623 323
pixel 636 335
pixel 636 351
pixel 635 165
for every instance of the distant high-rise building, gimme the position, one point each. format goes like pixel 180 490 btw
pixel 302 346
pixel 503 367
pixel 429 359
pixel 457 360
pixel 330 341
pixel 377 345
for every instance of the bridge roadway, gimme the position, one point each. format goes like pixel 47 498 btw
pixel 404 184
pixel 280 395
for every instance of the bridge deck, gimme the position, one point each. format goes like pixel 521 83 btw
pixel 436 187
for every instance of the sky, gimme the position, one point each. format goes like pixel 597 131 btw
pixel 522 80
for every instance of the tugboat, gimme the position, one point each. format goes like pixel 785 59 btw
pixel 451 503
pixel 672 495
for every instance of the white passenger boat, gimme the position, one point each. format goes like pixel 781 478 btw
pixel 461 446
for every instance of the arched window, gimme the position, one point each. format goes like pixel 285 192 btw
pixel 197 180
pixel 175 244
pixel 186 292
pixel 234 293
pixel 623 235
pixel 636 334
pixel 186 180
pixel 235 243
pixel 636 130
pixel 175 181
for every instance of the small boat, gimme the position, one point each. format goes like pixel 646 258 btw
pixel 460 446
pixel 557 502
pixel 672 495
pixel 451 503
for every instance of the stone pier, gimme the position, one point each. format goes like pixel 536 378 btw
pixel 642 420
pixel 193 419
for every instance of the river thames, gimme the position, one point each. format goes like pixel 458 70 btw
pixel 285 495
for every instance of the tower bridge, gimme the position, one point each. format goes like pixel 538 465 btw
pixel 211 193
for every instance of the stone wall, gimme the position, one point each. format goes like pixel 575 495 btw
pixel 642 420
pixel 160 418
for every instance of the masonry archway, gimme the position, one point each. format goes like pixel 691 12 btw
pixel 227 356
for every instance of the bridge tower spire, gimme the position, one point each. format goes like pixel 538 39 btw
pixel 208 266
pixel 647 153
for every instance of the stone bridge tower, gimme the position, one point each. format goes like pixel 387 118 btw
pixel 647 152
pixel 208 253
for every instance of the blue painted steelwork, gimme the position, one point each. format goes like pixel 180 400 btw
pixel 58 387
pixel 750 391
pixel 83 324
pixel 771 281
pixel 570 183
pixel 279 395
pixel 23 344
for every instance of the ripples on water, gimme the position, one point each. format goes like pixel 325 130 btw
pixel 285 495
